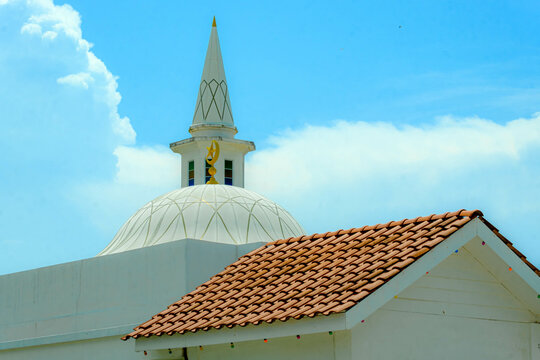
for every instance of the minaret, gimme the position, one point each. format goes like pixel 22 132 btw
pixel 213 120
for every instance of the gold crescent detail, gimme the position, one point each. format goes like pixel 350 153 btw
pixel 211 158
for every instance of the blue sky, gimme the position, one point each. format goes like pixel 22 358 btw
pixel 361 112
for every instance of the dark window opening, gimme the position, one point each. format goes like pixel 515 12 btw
pixel 191 173
pixel 206 173
pixel 228 172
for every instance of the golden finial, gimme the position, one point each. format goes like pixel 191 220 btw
pixel 214 22
pixel 211 158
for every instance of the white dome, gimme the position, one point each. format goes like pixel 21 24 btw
pixel 218 213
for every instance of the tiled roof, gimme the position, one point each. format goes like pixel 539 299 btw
pixel 312 275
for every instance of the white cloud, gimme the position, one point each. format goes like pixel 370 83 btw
pixel 61 18
pixel 43 57
pixel 49 35
pixel 122 126
pixel 78 80
pixel 30 28
pixel 347 154
pixel 147 166
pixel 142 173
pixel 51 20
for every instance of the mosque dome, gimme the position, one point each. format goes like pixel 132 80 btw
pixel 217 213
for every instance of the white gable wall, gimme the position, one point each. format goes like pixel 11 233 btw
pixel 406 335
pixel 459 310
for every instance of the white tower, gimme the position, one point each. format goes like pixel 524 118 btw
pixel 213 120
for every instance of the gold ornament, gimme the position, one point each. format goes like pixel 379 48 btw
pixel 211 158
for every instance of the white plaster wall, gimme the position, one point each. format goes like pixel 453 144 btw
pixel 462 286
pixel 308 347
pixel 401 335
pixel 459 310
pixel 103 348
pixel 102 296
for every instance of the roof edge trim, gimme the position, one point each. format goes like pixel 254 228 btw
pixel 507 252
pixel 291 327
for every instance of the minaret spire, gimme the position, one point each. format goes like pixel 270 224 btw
pixel 213 107
pixel 213 155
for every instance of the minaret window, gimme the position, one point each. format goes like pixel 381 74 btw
pixel 228 172
pixel 207 175
pixel 191 173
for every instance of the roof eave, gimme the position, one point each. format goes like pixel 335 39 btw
pixel 291 327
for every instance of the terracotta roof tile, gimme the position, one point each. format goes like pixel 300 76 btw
pixel 319 274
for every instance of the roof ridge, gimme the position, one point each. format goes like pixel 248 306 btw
pixel 462 212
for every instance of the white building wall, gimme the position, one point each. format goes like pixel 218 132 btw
pixel 321 346
pixel 459 310
pixel 73 307
pixel 103 348
pixel 407 335
pixel 461 286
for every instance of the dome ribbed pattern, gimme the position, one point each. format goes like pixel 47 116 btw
pixel 218 213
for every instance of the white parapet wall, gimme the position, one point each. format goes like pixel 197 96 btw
pixel 84 307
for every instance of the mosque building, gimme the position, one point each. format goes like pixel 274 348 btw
pixel 215 271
